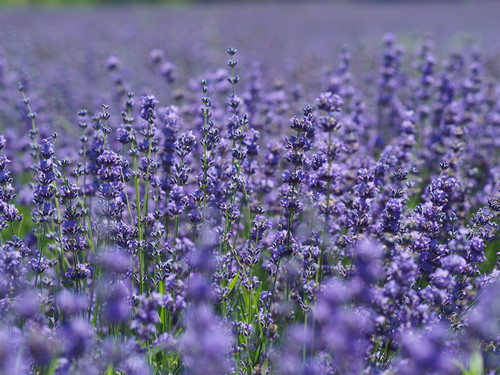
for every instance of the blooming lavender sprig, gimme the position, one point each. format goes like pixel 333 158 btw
pixel 142 169
pixel 73 235
pixel 8 212
pixel 296 146
pixel 211 138
pixel 46 202
pixel 387 99
pixel 326 174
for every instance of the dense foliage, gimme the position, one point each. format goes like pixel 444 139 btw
pixel 237 223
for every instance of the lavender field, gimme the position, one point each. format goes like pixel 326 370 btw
pixel 250 189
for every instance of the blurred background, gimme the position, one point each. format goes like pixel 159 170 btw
pixel 97 2
pixel 57 45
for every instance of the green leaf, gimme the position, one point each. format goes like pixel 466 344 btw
pixel 233 282
pixel 476 366
pixel 52 366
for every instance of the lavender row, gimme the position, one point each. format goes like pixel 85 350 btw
pixel 214 234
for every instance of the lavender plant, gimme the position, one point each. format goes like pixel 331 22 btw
pixel 267 228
